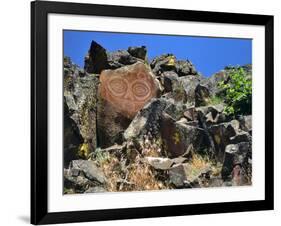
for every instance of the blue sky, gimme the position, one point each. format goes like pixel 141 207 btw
pixel 209 55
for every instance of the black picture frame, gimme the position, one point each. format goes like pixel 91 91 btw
pixel 39 112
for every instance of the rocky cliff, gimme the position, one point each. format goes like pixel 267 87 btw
pixel 131 124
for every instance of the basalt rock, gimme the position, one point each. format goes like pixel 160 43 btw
pixel 212 83
pixel 221 135
pixel 138 52
pixel 89 169
pixel 168 62
pixel 147 120
pixel 190 114
pixel 237 162
pixel 175 110
pixel 122 94
pixel 80 99
pixel 150 118
pixel 72 137
pixel 185 67
pixel 178 136
pixel 189 84
pixel 71 70
pixel 227 133
pixel 170 81
pixel 119 59
pixel 181 89
pixel 83 176
pixel 159 163
pixel 165 62
pixel 98 59
pixel 160 115
pixel 111 124
pixel 163 163
pixel 246 123
pixel 202 95
pixel 186 175
pixel 241 136
pixel 210 115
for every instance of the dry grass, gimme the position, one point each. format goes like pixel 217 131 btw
pixel 111 169
pixel 136 176
pixel 202 162
pixel 199 162
pixel 143 178
pixel 132 174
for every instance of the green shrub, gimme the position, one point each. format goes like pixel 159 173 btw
pixel 214 100
pixel 238 92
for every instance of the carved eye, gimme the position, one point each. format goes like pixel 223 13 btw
pixel 117 86
pixel 141 90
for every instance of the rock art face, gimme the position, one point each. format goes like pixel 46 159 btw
pixel 128 88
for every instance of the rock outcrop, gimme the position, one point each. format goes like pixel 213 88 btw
pixel 131 124
pixel 98 59
pixel 80 115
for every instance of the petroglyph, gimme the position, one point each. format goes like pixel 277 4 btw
pixel 128 88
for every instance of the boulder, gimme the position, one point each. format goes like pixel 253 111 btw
pixel 186 175
pixel 177 136
pixel 96 59
pixel 246 123
pixel 138 52
pixel 236 154
pixel 210 115
pixel 70 69
pixel 212 83
pixel 165 62
pixel 188 85
pixel 89 169
pixel 80 113
pixel 190 114
pixel 202 95
pixel 82 176
pixel 159 163
pixel 77 182
pixel 119 59
pixel 147 120
pixel 185 67
pixel 122 94
pixel 170 81
pixel 128 88
pixel 168 62
pixel 181 89
pixel 163 119
pixel 175 109
pixel 221 135
pixel 163 163
pixel 241 136
pixel 111 124
pixel 177 95
pixel 72 137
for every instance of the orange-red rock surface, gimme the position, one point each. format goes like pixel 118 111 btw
pixel 128 88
